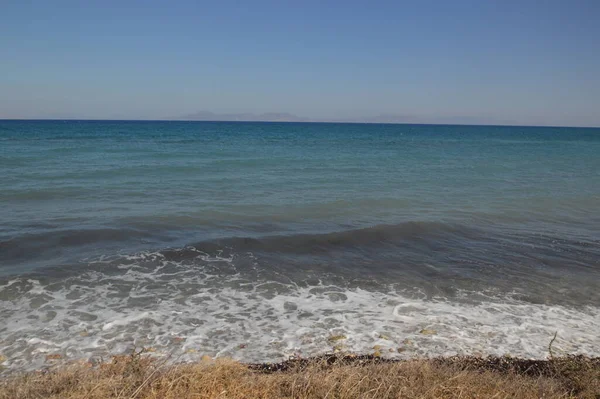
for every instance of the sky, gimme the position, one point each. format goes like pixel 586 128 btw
pixel 498 62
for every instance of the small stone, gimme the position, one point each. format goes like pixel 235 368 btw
pixel 383 336
pixel 377 354
pixel 191 350
pixel 54 356
pixel 150 350
pixel 407 342
pixel 377 348
pixel 427 331
pixel 84 334
pixel 400 349
pixel 338 348
pixel 391 350
pixel 3 358
pixel 335 338
pixel 242 346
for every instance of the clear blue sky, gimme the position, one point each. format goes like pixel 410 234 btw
pixel 530 62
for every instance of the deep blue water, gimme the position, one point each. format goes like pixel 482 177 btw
pixel 113 227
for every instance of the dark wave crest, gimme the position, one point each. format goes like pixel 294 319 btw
pixel 398 235
pixel 57 242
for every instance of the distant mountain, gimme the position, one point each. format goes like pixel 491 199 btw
pixel 385 118
pixel 246 117
pixel 287 117
pixel 381 118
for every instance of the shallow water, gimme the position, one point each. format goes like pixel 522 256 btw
pixel 262 240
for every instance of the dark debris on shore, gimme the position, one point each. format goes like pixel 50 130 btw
pixel 571 370
pixel 503 364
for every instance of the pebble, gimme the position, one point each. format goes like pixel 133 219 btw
pixel 427 331
pixel 338 348
pixel 334 338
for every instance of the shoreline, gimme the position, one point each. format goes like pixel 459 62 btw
pixel 347 375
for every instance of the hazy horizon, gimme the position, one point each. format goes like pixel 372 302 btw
pixel 509 63
pixel 257 118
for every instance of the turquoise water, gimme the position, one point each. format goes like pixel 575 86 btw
pixel 118 229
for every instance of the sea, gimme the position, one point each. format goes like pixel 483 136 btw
pixel 261 241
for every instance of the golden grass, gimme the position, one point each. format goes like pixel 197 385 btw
pixel 142 377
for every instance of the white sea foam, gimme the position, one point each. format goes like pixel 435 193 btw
pixel 190 313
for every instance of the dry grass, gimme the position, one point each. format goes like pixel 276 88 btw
pixel 138 376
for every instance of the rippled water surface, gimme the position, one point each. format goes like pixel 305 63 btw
pixel 263 240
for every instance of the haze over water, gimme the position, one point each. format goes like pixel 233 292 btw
pixel 261 240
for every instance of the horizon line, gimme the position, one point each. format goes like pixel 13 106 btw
pixel 284 121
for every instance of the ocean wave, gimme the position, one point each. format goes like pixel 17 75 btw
pixel 37 243
pixel 450 246
pixel 356 238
